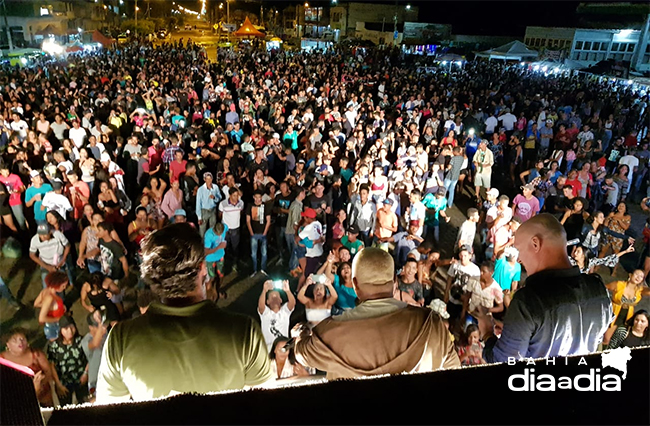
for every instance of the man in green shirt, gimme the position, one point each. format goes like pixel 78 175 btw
pixel 184 343
pixel 436 206
pixel 351 241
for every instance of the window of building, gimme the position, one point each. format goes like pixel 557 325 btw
pixel 615 47
pixel 630 47
pixel 579 45
pixel 595 45
pixel 587 45
pixel 44 11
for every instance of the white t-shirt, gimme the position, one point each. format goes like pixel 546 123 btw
pixel 508 120
pixel 490 124
pixel 313 231
pixel 78 136
pixel 462 276
pixel 58 203
pixel 20 127
pixel 275 324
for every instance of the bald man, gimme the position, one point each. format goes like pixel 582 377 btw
pixel 560 312
pixel 381 335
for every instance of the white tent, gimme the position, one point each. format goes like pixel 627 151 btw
pixel 513 51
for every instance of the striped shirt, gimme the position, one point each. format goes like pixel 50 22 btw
pixel 231 213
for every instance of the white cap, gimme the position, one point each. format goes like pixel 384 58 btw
pixel 493 192
pixel 276 136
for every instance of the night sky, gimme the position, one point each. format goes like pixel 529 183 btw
pixel 505 18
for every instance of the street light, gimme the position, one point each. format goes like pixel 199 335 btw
pixel 306 4
pixel 220 5
pixel 408 7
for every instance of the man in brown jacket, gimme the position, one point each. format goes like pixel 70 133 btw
pixel 381 335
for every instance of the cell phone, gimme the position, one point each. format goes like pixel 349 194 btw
pixel 277 284
pixel 289 345
pixel 318 278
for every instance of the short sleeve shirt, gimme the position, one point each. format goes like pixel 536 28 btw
pixel 275 324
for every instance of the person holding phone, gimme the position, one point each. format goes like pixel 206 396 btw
pixel 274 312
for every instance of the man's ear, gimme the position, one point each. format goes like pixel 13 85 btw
pixel 536 242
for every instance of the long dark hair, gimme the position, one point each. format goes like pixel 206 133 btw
pixel 281 339
pixel 646 334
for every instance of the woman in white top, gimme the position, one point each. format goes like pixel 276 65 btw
pixel 87 166
pixel 318 304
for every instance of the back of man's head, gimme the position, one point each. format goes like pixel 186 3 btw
pixel 171 260
pixel 541 241
pixel 373 273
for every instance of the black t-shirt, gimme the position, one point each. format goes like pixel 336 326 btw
pixel 111 253
pixel 317 203
pixel 259 215
pixel 282 202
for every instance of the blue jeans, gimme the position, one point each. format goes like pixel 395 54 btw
pixel 94 266
pixel 293 257
pixel 64 268
pixel 450 186
pixel 5 293
pixel 258 239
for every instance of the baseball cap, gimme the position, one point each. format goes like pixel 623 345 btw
pixel 301 161
pixel 388 201
pixel 276 136
pixel 528 186
pixel 34 173
pixel 180 212
pixel 493 192
pixel 43 229
pixel 309 212
pixel 353 229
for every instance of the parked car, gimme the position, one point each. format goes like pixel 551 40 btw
pixel 162 34
pixel 122 38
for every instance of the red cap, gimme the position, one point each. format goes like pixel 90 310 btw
pixel 309 212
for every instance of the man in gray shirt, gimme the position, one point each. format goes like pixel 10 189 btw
pixel 93 344
pixel 293 218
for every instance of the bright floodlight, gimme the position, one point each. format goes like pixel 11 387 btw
pixel 52 47
pixel 444 62
pixel 522 63
pixel 24 61
pixel 79 30
pixel 625 33
pixel 630 81
pixel 556 69
pixel 536 68
pixel 544 68
pixel 459 63
pixel 408 7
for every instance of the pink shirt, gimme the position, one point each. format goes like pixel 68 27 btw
pixel 526 208
pixel 13 183
pixel 170 203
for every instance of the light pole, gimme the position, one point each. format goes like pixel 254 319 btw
pixel 136 19
pixel 4 12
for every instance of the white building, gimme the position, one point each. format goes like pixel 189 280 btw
pixel 589 46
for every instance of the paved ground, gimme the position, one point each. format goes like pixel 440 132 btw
pixel 23 279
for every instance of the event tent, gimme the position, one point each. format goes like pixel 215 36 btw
pixel 513 51
pixel 98 37
pixel 248 30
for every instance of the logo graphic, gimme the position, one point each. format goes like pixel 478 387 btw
pixel 617 358
pixel 595 380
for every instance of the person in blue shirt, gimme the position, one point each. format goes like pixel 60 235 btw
pixel 507 271
pixel 436 206
pixel 208 197
pixel 215 244
pixel 236 133
pixel 471 146
pixel 34 196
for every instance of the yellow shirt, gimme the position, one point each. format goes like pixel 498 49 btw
pixel 169 350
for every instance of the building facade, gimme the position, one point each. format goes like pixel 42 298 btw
pixel 590 46
pixel 345 16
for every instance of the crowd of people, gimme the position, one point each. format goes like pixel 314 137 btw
pixel 289 165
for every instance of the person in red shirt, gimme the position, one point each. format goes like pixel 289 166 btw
pixel 631 139
pixel 155 154
pixel 573 132
pixel 15 187
pixel 177 167
pixel 574 182
pixel 78 192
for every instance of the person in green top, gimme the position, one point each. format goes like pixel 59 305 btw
pixel 345 172
pixel 436 206
pixel 351 242
pixel 183 343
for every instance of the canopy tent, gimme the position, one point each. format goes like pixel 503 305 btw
pixel 50 29
pixel 248 30
pixel 450 57
pixel 513 51
pixel 98 37
pixel 74 47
